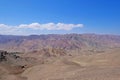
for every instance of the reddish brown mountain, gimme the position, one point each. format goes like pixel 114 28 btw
pixel 66 42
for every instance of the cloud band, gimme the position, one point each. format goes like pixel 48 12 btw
pixel 37 26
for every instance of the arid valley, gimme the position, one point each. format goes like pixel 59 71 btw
pixel 60 57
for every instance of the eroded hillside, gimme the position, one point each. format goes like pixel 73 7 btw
pixel 60 57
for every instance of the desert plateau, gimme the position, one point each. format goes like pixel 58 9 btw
pixel 60 57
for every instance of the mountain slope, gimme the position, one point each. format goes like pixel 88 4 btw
pixel 66 42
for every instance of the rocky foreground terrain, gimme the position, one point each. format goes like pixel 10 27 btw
pixel 60 57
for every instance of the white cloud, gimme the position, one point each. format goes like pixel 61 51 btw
pixel 3 26
pixel 51 26
pixel 24 28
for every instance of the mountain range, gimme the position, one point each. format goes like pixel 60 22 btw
pixel 67 42
pixel 60 57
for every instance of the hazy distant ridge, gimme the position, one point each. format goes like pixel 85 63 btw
pixel 66 41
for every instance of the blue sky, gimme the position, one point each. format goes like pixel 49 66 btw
pixel 25 17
